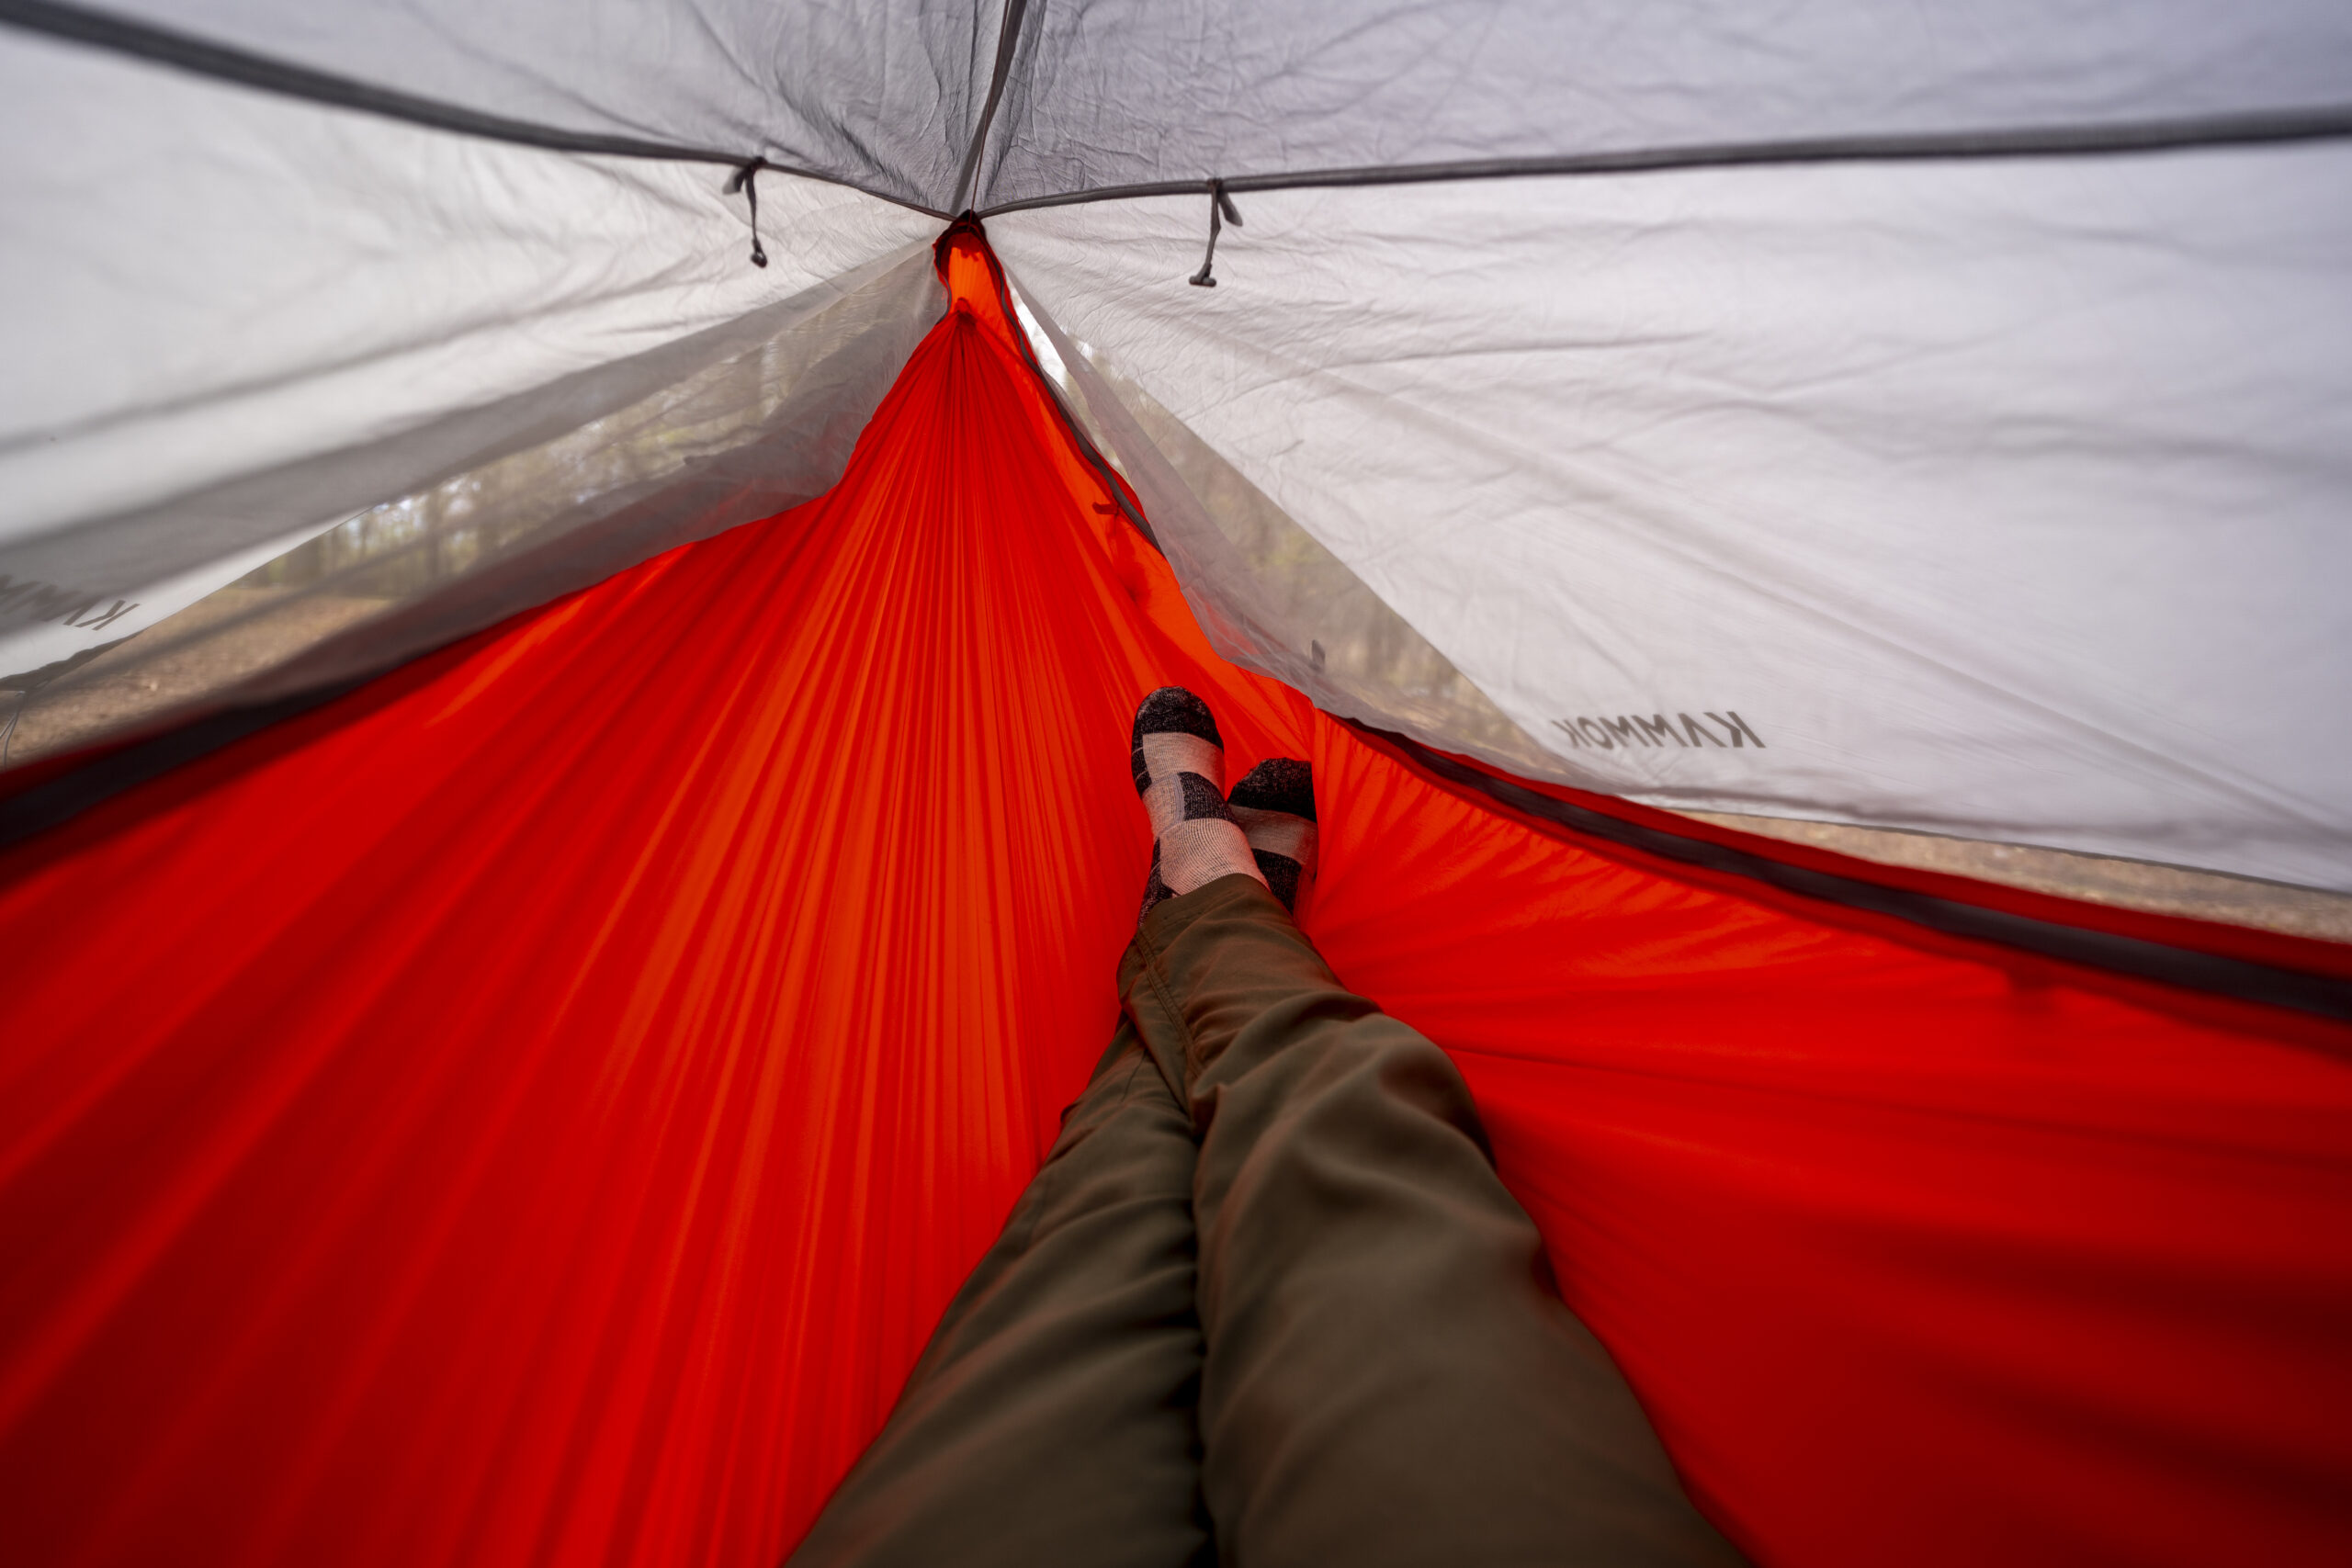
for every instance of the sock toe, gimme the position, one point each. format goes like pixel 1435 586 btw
pixel 1278 784
pixel 1275 807
pixel 1174 732
pixel 1178 760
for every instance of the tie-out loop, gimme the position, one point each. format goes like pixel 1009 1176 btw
pixel 1221 212
pixel 746 179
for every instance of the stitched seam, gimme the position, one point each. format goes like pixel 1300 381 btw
pixel 1160 987
pixel 1143 1060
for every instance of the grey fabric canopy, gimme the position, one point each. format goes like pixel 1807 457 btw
pixel 944 107
pixel 1933 417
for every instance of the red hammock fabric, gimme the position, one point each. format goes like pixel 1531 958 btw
pixel 533 1108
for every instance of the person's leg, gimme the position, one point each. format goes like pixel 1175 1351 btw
pixel 1391 1376
pixel 1051 1419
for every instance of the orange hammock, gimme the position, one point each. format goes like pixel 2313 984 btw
pixel 533 1107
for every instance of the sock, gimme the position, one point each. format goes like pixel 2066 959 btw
pixel 1275 809
pixel 1178 762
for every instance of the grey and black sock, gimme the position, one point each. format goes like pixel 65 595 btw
pixel 1275 807
pixel 1179 763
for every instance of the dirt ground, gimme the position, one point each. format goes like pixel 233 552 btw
pixel 221 640
pixel 2098 879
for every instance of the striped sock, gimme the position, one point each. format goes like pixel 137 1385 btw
pixel 1275 809
pixel 1178 762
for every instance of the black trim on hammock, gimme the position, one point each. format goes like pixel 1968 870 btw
pixel 2255 128
pixel 53 802
pixel 2133 956
pixel 56 801
pixel 163 46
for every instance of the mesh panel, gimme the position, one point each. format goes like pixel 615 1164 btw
pixel 760 416
pixel 1270 598
pixel 1274 600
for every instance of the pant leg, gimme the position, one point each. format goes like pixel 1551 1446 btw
pixel 1052 1418
pixel 1390 1377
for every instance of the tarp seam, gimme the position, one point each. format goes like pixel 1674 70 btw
pixel 2321 122
pixel 1007 38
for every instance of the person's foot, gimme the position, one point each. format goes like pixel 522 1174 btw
pixel 1275 809
pixel 1179 762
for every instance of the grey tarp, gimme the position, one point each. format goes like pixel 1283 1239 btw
pixel 1926 416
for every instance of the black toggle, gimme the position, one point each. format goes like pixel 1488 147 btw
pixel 746 179
pixel 1221 212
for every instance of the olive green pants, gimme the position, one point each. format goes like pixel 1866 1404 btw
pixel 1267 1304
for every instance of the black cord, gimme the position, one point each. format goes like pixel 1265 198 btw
pixel 747 180
pixel 1221 212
